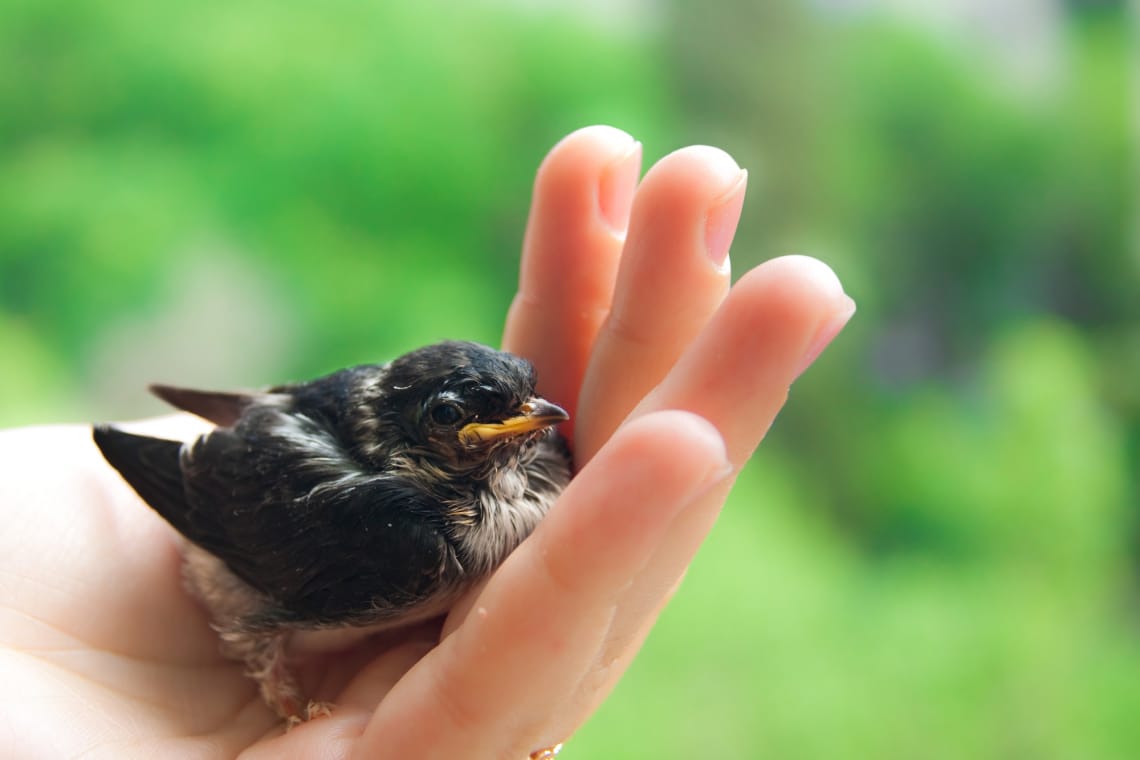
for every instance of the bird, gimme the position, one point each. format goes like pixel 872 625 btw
pixel 362 501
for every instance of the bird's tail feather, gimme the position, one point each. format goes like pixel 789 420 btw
pixel 150 466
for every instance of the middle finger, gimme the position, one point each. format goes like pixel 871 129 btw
pixel 674 273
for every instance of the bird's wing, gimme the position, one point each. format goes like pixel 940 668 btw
pixel 379 548
pixel 325 543
pixel 219 407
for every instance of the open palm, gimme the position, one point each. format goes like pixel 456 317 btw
pixel 671 378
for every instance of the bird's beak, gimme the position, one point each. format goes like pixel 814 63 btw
pixel 535 414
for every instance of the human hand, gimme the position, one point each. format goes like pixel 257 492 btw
pixel 95 626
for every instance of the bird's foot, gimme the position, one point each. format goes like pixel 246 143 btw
pixel 315 709
pixel 318 709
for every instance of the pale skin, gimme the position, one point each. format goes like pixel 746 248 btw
pixel 671 378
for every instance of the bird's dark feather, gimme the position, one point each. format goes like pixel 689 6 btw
pixel 331 400
pixel 151 466
pixel 220 407
pixel 261 504
pixel 375 559
pixel 263 507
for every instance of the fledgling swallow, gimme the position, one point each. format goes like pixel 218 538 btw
pixel 367 499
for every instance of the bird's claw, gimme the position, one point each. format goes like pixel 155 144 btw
pixel 315 709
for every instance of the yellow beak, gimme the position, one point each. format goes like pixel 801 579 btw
pixel 535 414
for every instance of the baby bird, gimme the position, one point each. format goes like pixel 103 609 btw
pixel 367 499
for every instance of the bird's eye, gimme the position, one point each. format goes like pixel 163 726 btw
pixel 446 414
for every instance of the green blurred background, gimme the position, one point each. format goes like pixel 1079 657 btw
pixel 936 552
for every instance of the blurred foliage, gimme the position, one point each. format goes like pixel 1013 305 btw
pixel 368 163
pixel 936 552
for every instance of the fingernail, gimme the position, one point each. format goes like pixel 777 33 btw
pixel 826 334
pixel 616 187
pixel 715 477
pixel 719 471
pixel 720 224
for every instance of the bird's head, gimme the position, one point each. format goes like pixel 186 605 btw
pixel 458 410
